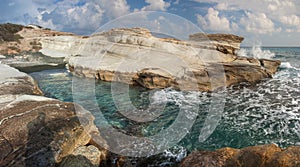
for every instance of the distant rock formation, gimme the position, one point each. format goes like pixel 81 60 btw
pixel 262 156
pixel 135 56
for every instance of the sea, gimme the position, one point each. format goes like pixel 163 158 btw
pixel 240 116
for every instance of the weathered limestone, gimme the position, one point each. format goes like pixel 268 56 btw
pixel 134 56
pixel 225 43
pixel 206 62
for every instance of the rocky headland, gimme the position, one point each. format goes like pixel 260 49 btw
pixel 40 131
pixel 135 56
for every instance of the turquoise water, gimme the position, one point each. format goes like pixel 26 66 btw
pixel 268 112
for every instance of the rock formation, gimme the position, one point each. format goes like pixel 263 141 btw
pixel 135 56
pixel 225 43
pixel 39 131
pixel 262 156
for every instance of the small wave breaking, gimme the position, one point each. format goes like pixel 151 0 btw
pixel 287 65
pixel 256 52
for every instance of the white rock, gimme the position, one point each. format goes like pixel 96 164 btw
pixel 8 73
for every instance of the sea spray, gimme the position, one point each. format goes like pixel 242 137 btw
pixel 256 52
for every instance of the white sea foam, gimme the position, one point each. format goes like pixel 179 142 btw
pixel 177 152
pixel 256 52
pixel 62 74
pixel 242 52
pixel 287 65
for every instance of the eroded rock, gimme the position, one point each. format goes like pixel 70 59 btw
pixel 225 43
pixel 39 131
pixel 126 55
pixel 254 156
pixel 12 81
pixel 134 56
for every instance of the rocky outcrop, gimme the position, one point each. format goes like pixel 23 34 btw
pixel 225 43
pixel 40 131
pixel 13 82
pixel 20 46
pixel 31 62
pixel 134 56
pixel 262 156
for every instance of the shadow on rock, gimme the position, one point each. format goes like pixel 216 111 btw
pixel 38 149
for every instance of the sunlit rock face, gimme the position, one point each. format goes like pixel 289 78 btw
pixel 134 56
pixel 264 156
pixel 205 62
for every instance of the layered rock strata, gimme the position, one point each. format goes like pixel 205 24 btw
pixel 135 56
pixel 39 131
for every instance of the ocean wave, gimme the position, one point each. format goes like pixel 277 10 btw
pixel 256 52
pixel 287 65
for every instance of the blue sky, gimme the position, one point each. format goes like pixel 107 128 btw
pixel 265 22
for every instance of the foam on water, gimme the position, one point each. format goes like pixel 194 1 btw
pixel 287 65
pixel 268 112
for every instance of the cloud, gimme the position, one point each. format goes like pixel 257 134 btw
pixel 225 6
pixel 115 8
pixel 80 16
pixel 258 23
pixel 156 5
pixel 212 21
pixel 79 19
pixel 292 22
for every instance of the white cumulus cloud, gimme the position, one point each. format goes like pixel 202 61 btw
pixel 292 22
pixel 212 21
pixel 81 19
pixel 258 23
pixel 115 8
pixel 156 5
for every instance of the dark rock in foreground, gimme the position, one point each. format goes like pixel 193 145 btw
pixel 39 131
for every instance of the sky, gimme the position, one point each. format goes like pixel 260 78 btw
pixel 261 22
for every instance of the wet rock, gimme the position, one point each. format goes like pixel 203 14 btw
pixel 270 65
